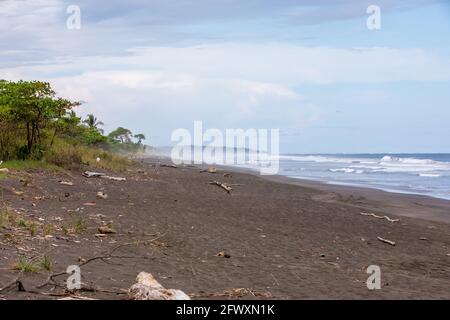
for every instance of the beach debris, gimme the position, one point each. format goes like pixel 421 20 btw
pixel 227 175
pixel 168 166
pixel 392 243
pixel 423 238
pixel 66 183
pixel 232 293
pixel 4 170
pixel 223 254
pixel 101 195
pixel 227 188
pixel 209 170
pixel 100 235
pixel 89 204
pixel 114 178
pixel 76 298
pixel 17 193
pixel 90 174
pixel 106 230
pixel 147 288
pixel 379 217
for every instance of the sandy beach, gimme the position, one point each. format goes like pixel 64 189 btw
pixel 268 238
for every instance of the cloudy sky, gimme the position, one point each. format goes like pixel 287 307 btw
pixel 310 68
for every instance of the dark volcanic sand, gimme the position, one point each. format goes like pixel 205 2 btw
pixel 285 241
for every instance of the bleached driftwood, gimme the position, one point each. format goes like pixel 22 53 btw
pixel 209 170
pixel 4 170
pixel 222 185
pixel 379 217
pixel 168 166
pixel 147 288
pixel 90 174
pixel 392 243
pixel 114 178
pixel 76 298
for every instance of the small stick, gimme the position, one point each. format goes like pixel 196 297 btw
pixel 392 243
pixel 222 185
pixel 379 217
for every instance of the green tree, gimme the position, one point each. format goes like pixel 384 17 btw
pixel 121 135
pixel 140 137
pixel 33 105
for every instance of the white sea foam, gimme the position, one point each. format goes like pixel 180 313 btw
pixel 388 164
pixel 430 175
pixel 344 170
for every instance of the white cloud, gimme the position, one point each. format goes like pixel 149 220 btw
pixel 159 89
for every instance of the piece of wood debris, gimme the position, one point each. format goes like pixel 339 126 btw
pixel 99 235
pixel 101 195
pixel 222 185
pixel 66 183
pixel 423 238
pixel 106 230
pixel 232 293
pixel 379 217
pixel 168 166
pixel 209 170
pixel 89 204
pixel 4 170
pixel 114 178
pixel 223 254
pixel 392 243
pixel 90 174
pixel 17 193
pixel 147 288
pixel 76 298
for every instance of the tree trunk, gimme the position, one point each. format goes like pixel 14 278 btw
pixel 29 139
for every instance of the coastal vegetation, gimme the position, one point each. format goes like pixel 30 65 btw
pixel 40 129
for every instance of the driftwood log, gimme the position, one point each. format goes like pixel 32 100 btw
pixel 168 166
pixel 90 174
pixel 227 188
pixel 147 288
pixel 392 243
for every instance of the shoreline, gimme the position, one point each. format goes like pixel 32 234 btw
pixel 403 204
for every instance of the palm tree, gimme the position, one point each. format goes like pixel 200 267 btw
pixel 92 122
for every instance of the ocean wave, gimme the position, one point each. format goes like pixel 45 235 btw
pixel 430 175
pixel 383 164
pixel 347 170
